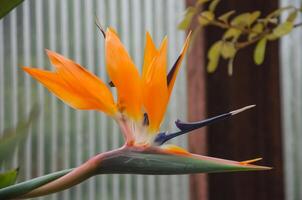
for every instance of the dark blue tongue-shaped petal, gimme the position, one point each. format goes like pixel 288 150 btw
pixel 185 127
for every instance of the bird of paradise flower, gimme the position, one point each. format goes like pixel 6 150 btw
pixel 141 104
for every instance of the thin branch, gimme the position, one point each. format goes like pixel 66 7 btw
pixel 298 25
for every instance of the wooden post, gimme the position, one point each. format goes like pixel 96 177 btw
pixel 197 109
pixel 255 133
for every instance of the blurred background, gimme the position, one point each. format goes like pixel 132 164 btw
pixel 62 138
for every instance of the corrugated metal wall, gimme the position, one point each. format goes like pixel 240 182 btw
pixel 291 68
pixel 62 137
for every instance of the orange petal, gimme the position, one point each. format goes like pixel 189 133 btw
pixel 124 76
pixel 75 85
pixel 174 71
pixel 171 148
pixel 155 88
pixel 150 53
pixel 246 162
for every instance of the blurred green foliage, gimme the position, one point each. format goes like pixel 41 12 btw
pixel 240 30
pixel 12 137
pixel 10 140
pixel 8 178
pixel 7 5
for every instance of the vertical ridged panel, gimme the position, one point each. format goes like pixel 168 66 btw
pixel 62 137
pixel 291 77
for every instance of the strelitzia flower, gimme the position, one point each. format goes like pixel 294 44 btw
pixel 139 110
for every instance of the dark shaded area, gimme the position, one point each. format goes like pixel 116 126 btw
pixel 197 108
pixel 252 134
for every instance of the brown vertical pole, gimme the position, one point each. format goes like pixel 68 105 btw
pixel 197 109
pixel 256 133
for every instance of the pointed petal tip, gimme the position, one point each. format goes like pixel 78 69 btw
pixel 110 30
pixel 235 112
pixel 49 52
pixel 248 164
pixel 256 167
pixel 164 42
pixel 53 55
pixel 189 36
pixel 29 70
pixel 148 34
pixel 25 68
pixel 250 161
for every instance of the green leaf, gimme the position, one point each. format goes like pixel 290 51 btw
pixel 14 136
pixel 200 2
pixel 213 56
pixel 225 17
pixel 241 20
pixel 185 23
pixel 292 16
pixel 7 5
pixel 259 51
pixel 8 178
pixel 283 29
pixel 256 30
pixel 19 189
pixel 228 50
pixel 230 66
pixel 206 17
pixel 277 13
pixel 213 5
pixel 253 17
pixel 231 33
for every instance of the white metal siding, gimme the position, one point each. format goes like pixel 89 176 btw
pixel 291 68
pixel 62 137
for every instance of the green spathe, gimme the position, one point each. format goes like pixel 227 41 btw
pixel 156 161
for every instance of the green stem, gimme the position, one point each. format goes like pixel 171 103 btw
pixel 78 175
pixel 27 186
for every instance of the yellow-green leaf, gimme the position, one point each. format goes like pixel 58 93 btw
pixel 231 33
pixel 241 20
pixel 213 56
pixel 228 50
pixel 8 178
pixel 283 29
pixel 259 51
pixel 292 16
pixel 213 5
pixel 206 17
pixel 185 23
pixel 225 17
pixel 256 30
pixel 277 13
pixel 200 2
pixel 253 17
pixel 230 66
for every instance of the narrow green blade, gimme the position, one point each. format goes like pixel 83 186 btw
pixel 8 5
pixel 12 137
pixel 27 186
